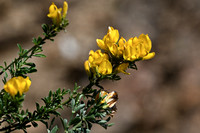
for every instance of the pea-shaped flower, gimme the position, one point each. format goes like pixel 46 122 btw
pixel 87 67
pixel 111 42
pixel 122 68
pixel 56 14
pixel 98 62
pixel 138 48
pixel 105 67
pixel 17 85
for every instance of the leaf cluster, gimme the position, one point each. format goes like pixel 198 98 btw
pixel 21 119
pixel 11 114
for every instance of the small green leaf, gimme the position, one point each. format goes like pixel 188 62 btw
pixel 32 70
pixel 64 123
pixel 111 124
pixel 35 41
pixel 102 122
pixel 75 121
pixel 45 28
pixel 79 107
pixel 30 64
pixel 34 124
pixel 108 119
pixel 39 55
pixel 37 106
pixel 5 64
pixel 20 47
pixel 51 40
pixel 54 130
pixel 6 74
pixel 72 104
pixel 90 118
pixel 52 121
pixel 87 130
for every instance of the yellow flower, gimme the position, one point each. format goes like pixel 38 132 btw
pixel 109 98
pixel 17 84
pixel 117 50
pixel 98 62
pixel 101 44
pixel 87 67
pixel 138 48
pixel 122 68
pixel 149 56
pixel 121 44
pixel 95 58
pixel 111 37
pixel 111 43
pixel 65 8
pixel 55 13
pixel 105 67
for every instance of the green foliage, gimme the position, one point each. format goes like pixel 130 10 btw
pixel 83 114
pixel 11 113
pixel 20 66
pixel 9 104
pixel 86 108
pixel 85 111
pixel 21 119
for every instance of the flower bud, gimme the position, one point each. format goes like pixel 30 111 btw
pixel 109 98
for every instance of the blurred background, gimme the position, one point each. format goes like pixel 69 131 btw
pixel 162 96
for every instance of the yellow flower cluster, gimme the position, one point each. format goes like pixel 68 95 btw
pixel 17 84
pixel 131 50
pixel 119 53
pixel 138 48
pixel 57 14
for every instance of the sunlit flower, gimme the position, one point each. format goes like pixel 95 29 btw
pixel 112 35
pixel 138 48
pixel 105 67
pixel 122 68
pixel 98 62
pixel 56 14
pixel 102 45
pixel 111 43
pixel 17 84
pixel 96 58
pixel 65 8
pixel 87 67
pixel 117 49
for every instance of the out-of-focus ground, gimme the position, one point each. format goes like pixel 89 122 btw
pixel 162 96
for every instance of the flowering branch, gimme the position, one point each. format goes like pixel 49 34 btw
pixel 88 105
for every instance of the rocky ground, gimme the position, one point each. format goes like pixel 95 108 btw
pixel 162 96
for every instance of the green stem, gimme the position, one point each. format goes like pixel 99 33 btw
pixel 31 49
pixel 19 58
